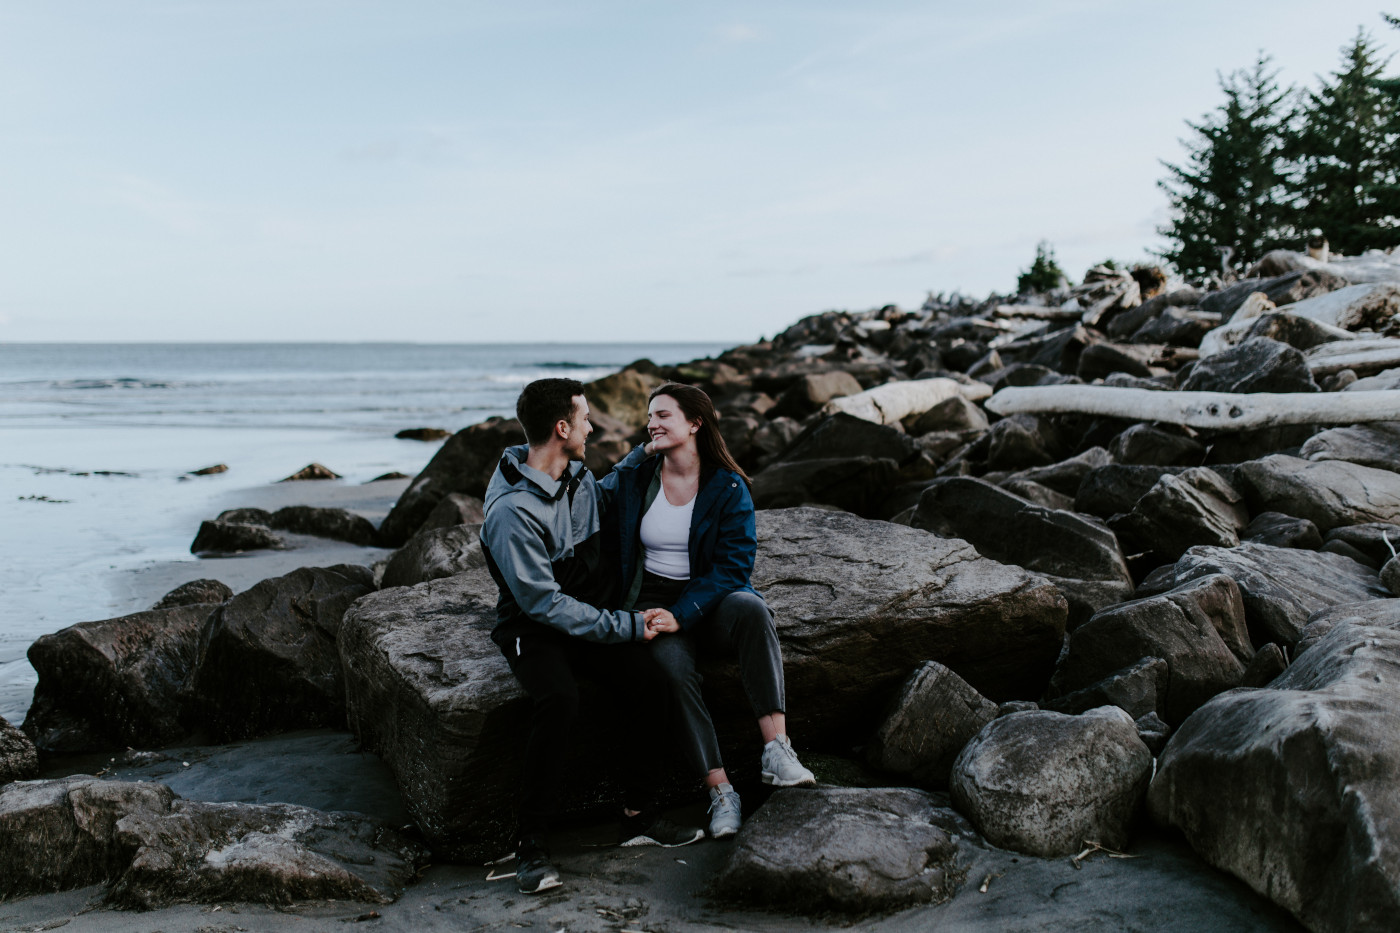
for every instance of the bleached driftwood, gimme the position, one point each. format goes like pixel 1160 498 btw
pixel 889 403
pixel 1037 313
pixel 1215 410
pixel 1363 356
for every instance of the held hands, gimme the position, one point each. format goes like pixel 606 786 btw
pixel 659 621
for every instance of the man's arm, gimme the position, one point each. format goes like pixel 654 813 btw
pixel 516 544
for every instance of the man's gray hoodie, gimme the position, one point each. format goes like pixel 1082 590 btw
pixel 535 525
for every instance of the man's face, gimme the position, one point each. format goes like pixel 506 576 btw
pixel 579 429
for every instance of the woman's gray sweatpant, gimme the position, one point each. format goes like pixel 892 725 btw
pixel 741 623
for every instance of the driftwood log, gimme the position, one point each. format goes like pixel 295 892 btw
pixel 1363 356
pixel 893 401
pixel 1214 410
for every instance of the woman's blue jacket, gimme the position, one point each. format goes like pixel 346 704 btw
pixel 722 537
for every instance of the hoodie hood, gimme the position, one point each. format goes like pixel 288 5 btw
pixel 513 474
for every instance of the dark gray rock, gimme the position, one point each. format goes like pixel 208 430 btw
pixel 1104 359
pixel 954 414
pixel 1329 493
pixel 153 848
pixel 855 484
pixel 1281 587
pixel 337 524
pixel 1365 543
pixel 842 436
pixel 195 593
pixel 1062 545
pixel 267 659
pixel 1058 350
pixel 1197 628
pixel 430 692
pixel 312 471
pixel 1173 327
pixel 1268 662
pixel 1016 706
pixel 116 682
pixel 1066 476
pixel 455 509
pixel 848 849
pixel 1282 290
pixel 1138 689
pixel 1278 530
pixel 1045 783
pixel 773 438
pixel 1193 507
pixel 1148 446
pixel 246 516
pixel 1018 442
pixel 1292 788
pixel 1254 365
pixel 1116 487
pixel 935 715
pixel 431 555
pixel 1153 732
pixel 423 434
pixel 464 463
pixel 1390 576
pixel 813 390
pixel 1373 445
pixel 1034 492
pixel 1300 333
pixel 231 538
pixel 19 760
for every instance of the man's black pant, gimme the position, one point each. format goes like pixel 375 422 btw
pixel 549 665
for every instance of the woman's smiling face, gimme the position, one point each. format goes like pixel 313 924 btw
pixel 667 424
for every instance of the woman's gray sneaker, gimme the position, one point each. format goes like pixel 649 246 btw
pixel 726 813
pixel 781 767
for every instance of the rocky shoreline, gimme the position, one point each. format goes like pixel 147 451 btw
pixel 1058 578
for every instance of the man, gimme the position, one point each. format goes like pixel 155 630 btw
pixel 542 545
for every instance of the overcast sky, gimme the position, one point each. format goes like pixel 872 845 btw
pixel 456 171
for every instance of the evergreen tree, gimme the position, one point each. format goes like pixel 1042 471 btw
pixel 1044 274
pixel 1345 156
pixel 1230 191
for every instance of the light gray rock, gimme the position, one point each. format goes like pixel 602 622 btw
pixel 1390 576
pixel 1329 493
pixel 935 715
pixel 431 555
pixel 854 850
pixel 859 604
pixel 1373 445
pixel 954 414
pixel 19 760
pixel 1292 788
pixel 1045 783
pixel 1198 629
pixel 154 848
pixel 1281 587
pixel 1371 612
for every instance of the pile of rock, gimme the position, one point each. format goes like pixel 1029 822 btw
pixel 1011 546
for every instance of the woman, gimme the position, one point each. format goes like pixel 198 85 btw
pixel 684 525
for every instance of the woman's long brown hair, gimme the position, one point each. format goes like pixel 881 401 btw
pixel 696 406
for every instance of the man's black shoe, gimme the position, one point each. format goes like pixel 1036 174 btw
pixel 534 872
pixel 650 829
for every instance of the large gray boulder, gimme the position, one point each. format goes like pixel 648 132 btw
pixel 859 605
pixel 848 849
pixel 1280 586
pixel 1140 689
pixel 433 554
pixel 223 537
pixel 1329 493
pixel 854 484
pixel 935 715
pixel 464 463
pixel 267 659
pixel 153 848
pixel 1255 365
pixel 115 683
pixel 19 760
pixel 1198 629
pixel 1193 507
pixel 1045 783
pixel 337 524
pixel 1292 787
pixel 1081 556
pixel 1373 445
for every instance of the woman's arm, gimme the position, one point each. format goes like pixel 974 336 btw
pixel 607 486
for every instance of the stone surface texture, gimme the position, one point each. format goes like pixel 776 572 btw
pixel 935 715
pixel 433 554
pixel 1329 493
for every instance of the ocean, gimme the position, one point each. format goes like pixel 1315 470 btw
pixel 97 442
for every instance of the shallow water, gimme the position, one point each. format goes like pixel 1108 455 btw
pixel 97 441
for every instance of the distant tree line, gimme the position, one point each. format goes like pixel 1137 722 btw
pixel 1273 163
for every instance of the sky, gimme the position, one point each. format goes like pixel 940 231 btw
pixel 347 170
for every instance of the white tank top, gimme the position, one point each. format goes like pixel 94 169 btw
pixel 666 538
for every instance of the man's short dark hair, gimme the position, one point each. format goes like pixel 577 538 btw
pixel 543 404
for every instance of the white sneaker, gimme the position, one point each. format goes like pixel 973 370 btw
pixel 726 812
pixel 781 767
